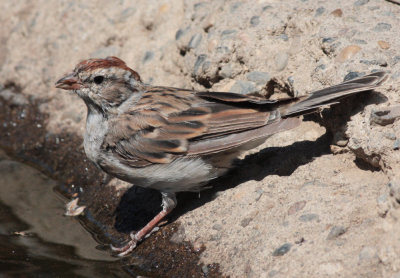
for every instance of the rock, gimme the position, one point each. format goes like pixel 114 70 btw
pixel 394 189
pixel 384 44
pixel 319 11
pixel 281 60
pixel 396 144
pixel 337 13
pixel 360 2
pixel 335 232
pixel 205 270
pixel 282 250
pixel 382 27
pixel 258 77
pixel 194 41
pixel 217 227
pixel 245 222
pixel 226 71
pixel 308 217
pixel 351 75
pixel 283 37
pixel 255 20
pixel 148 56
pixel 385 116
pixel 228 34
pixel 368 254
pixel 199 61
pixel 347 53
pixel 243 87
pixel 296 207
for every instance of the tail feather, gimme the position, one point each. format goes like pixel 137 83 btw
pixel 331 95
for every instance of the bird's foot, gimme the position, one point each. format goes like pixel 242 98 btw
pixel 127 248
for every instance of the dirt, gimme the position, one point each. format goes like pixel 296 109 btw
pixel 320 200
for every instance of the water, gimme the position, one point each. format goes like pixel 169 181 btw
pixel 36 240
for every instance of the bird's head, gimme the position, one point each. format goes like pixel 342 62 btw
pixel 102 83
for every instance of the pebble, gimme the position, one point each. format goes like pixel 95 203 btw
pixel 228 34
pixel 319 11
pixel 243 87
pixel 226 71
pixel 385 116
pixel 296 207
pixel 148 56
pixel 396 144
pixel 394 189
pixel 384 44
pixel 360 2
pixel 368 254
pixel 335 232
pixel 217 227
pixel 308 217
pixel 381 27
pixel 255 20
pixel 205 270
pixel 199 61
pixel 245 221
pixel 351 75
pixel 258 77
pixel 179 34
pixel 281 60
pixel 282 250
pixel 283 37
pixel 195 41
pixel 390 135
pixel 347 53
pixel 337 13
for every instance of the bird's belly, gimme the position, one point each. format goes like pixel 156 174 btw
pixel 182 174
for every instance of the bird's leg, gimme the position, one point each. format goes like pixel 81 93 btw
pixel 168 204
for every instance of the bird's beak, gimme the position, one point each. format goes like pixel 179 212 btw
pixel 69 82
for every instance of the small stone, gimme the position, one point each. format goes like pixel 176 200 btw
pixel 259 77
pixel 259 192
pixel 194 41
pixel 179 34
pixel 255 20
pixel 368 254
pixel 335 232
pixel 282 250
pixel 228 34
pixel 148 56
pixel 319 11
pixel 243 87
pixel 283 37
pixel 205 270
pixel 396 144
pixel 245 221
pixel 382 27
pixel 385 116
pixel 351 75
pixel 308 217
pixel 394 189
pixel 328 40
pixel 281 60
pixel 296 207
pixel 390 135
pixel 217 227
pixel 226 71
pixel 199 61
pixel 337 13
pixel 384 44
pixel 290 79
pixel 360 2
pixel 347 53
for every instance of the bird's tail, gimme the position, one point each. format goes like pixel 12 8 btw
pixel 332 95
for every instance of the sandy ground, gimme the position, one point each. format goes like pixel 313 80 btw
pixel 311 204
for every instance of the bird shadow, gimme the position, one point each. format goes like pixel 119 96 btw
pixel 139 205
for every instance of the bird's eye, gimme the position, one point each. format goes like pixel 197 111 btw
pixel 98 79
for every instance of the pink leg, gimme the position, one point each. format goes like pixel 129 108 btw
pixel 168 204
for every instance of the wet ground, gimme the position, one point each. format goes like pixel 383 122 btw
pixel 36 239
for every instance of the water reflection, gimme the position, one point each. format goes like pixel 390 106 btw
pixel 36 240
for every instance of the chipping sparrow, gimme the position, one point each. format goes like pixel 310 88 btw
pixel 173 139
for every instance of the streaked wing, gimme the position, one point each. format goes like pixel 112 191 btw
pixel 167 123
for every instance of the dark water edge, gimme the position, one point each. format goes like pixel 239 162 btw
pixel 36 240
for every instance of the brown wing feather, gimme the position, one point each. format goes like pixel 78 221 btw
pixel 158 132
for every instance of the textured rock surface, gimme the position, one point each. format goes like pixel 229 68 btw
pixel 285 200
